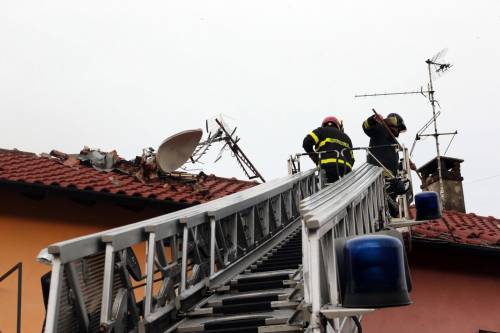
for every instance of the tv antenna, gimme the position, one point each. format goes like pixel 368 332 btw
pixel 436 68
pixel 222 132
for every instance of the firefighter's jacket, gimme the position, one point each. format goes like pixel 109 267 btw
pixel 379 136
pixel 330 140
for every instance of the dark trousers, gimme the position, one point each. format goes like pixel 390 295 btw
pixel 334 171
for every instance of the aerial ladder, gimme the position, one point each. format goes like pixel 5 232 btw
pixel 260 260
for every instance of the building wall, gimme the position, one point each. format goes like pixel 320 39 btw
pixel 452 293
pixel 28 225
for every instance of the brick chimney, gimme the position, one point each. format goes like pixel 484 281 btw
pixel 452 181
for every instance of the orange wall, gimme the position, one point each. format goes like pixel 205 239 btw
pixel 452 293
pixel 27 226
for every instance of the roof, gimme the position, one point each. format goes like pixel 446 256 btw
pixel 28 168
pixel 466 229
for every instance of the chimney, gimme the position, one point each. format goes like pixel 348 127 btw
pixel 452 181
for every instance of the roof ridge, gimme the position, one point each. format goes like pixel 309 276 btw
pixel 17 151
pixel 43 169
pixel 471 214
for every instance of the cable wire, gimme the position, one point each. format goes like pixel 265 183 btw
pixel 482 179
pixel 449 144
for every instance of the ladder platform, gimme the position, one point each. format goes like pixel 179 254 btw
pixel 218 299
pixel 280 329
pixel 250 305
pixel 333 312
pixel 402 223
pixel 237 322
pixel 264 275
pixel 245 302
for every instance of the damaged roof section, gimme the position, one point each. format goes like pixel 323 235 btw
pixel 96 171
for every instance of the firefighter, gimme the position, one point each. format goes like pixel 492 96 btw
pixel 337 159
pixel 382 147
pixel 381 140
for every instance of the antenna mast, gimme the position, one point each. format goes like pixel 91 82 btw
pixel 434 68
pixel 429 62
pixel 224 134
pixel 240 156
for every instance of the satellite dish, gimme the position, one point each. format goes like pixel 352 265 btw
pixel 177 149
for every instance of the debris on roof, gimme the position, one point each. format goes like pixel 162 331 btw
pixel 93 170
pixel 143 168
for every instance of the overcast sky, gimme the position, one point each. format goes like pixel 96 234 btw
pixel 126 74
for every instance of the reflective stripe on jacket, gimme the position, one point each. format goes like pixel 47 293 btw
pixel 336 160
pixel 333 142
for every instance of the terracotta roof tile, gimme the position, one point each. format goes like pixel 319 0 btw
pixel 463 229
pixel 24 167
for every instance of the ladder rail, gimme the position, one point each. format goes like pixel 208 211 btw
pixel 210 243
pixel 351 206
pixel 263 210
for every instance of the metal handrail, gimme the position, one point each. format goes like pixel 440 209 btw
pixel 19 268
pixel 226 213
pixel 270 208
pixel 209 244
pixel 353 205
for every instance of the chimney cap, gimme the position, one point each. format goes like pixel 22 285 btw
pixel 431 166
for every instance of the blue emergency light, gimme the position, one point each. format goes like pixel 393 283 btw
pixel 428 206
pixel 374 267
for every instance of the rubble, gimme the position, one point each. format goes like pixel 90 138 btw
pixel 143 168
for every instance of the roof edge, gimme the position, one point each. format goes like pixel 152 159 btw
pixel 440 243
pixel 114 197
